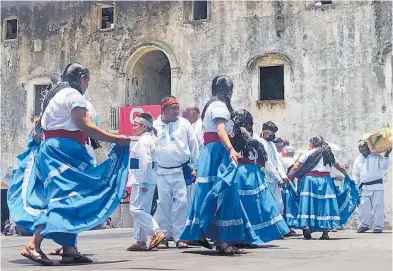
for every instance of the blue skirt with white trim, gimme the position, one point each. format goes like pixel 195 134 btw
pixel 63 191
pixel 262 219
pixel 231 202
pixel 20 188
pixel 210 217
pixel 291 204
pixel 322 206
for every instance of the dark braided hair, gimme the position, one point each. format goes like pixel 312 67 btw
pixel 71 77
pixel 327 154
pixel 222 87
pixel 242 141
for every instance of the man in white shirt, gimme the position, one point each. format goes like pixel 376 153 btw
pixel 368 171
pixel 275 173
pixel 192 114
pixel 177 153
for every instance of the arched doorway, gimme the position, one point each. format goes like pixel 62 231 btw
pixel 148 77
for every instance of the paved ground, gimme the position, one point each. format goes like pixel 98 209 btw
pixel 345 251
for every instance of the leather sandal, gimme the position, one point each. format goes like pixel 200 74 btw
pixel 181 244
pixel 156 240
pixel 138 246
pixel 75 259
pixel 36 256
pixel 56 252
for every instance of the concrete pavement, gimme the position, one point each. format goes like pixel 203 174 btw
pixel 346 250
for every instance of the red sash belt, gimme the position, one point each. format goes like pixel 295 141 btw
pixel 210 137
pixel 244 160
pixel 75 135
pixel 317 174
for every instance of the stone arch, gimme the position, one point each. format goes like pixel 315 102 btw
pixel 272 58
pixel 150 67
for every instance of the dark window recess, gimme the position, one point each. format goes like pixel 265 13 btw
pixel 40 91
pixel 12 29
pixel 107 17
pixel 271 85
pixel 199 10
pixel 321 3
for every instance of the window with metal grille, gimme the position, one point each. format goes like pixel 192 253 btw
pixel 271 83
pixel 115 113
pixel 40 91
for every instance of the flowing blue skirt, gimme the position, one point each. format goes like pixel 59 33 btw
pixel 220 220
pixel 62 190
pixel 20 187
pixel 322 206
pixel 231 202
pixel 263 221
pixel 291 205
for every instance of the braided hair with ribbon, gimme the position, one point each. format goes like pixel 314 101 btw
pixel 242 141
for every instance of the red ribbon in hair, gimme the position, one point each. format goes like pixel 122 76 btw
pixel 170 101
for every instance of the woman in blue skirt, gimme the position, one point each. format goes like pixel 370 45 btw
pixel 262 220
pixel 223 223
pixel 63 192
pixel 321 205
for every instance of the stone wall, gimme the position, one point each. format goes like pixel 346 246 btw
pixel 337 61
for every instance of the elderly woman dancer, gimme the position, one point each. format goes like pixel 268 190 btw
pixel 63 192
pixel 321 205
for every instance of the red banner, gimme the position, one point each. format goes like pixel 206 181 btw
pixel 128 114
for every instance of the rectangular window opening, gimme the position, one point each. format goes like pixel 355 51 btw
pixel 271 84
pixel 199 10
pixel 107 18
pixel 11 31
pixel 322 3
pixel 40 91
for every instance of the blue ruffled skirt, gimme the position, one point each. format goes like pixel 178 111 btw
pixel 231 202
pixel 59 188
pixel 223 221
pixel 262 219
pixel 322 206
pixel 20 187
pixel 291 205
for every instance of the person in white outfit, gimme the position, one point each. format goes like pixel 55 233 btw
pixel 368 171
pixel 177 153
pixel 275 173
pixel 288 154
pixel 143 179
pixel 192 114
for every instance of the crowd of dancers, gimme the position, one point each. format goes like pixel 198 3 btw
pixel 218 182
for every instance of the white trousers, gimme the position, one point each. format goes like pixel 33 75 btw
pixel 276 191
pixel 172 205
pixel 140 205
pixel 371 203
